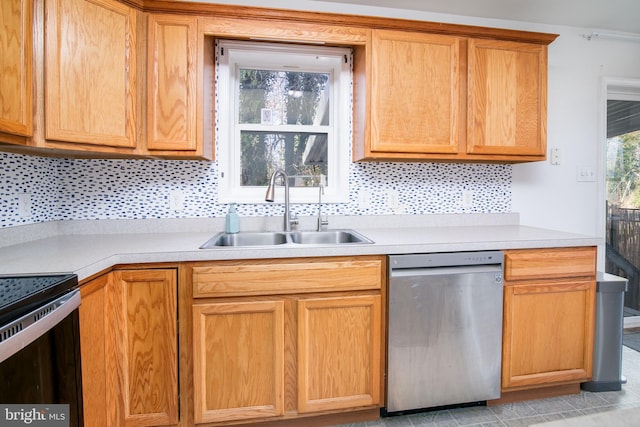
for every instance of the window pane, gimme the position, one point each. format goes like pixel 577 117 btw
pixel 283 98
pixel 302 155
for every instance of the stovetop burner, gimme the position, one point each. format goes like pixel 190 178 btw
pixel 20 294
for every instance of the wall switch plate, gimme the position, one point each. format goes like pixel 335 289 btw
pixel 554 156
pixel 585 174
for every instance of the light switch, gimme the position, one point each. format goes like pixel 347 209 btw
pixel 585 174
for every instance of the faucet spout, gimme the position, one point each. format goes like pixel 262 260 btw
pixel 322 222
pixel 270 196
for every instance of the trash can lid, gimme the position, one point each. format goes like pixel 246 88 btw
pixel 610 283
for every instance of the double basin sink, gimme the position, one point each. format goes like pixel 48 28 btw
pixel 327 237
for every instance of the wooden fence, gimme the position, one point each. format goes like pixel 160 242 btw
pixel 623 250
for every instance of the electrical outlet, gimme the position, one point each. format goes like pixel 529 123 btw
pixel 24 205
pixel 393 199
pixel 467 199
pixel 176 200
pixel 364 199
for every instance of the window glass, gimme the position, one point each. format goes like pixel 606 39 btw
pixel 283 97
pixel 301 155
pixel 289 108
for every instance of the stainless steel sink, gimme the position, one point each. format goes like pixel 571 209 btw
pixel 329 237
pixel 245 239
pixel 294 238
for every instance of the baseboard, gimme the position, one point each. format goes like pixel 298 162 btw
pixel 535 393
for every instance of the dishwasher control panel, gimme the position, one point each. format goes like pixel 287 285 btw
pixel 445 259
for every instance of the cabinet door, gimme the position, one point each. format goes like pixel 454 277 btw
pixel 507 98
pixel 415 93
pixel 171 95
pixel 97 334
pixel 339 352
pixel 16 67
pixel 128 342
pixel 90 72
pixel 548 333
pixel 147 345
pixel 238 353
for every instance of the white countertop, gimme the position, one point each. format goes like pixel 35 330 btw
pixel 85 253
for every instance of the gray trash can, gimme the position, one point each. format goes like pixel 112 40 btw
pixel 607 343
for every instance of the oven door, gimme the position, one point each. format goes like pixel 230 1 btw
pixel 40 357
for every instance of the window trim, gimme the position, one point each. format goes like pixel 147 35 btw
pixel 339 152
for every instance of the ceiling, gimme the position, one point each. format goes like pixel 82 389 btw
pixel 622 117
pixel 612 15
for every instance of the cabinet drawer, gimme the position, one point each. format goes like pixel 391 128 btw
pixel 287 276
pixel 550 263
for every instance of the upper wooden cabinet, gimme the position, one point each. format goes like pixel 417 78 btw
pixel 137 78
pixel 90 74
pixel 433 97
pixel 16 67
pixel 507 98
pixel 171 85
pixel 415 93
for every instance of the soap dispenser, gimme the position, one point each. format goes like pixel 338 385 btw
pixel 232 222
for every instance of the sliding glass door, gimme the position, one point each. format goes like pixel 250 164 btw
pixel 623 191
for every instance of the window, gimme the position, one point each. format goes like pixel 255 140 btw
pixel 283 106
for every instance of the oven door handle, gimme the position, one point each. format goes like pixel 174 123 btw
pixel 23 331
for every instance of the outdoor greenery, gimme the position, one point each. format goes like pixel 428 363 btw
pixel 623 170
pixel 276 99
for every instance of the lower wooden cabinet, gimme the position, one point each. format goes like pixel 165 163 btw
pixel 128 338
pixel 339 352
pixel 549 314
pixel 290 352
pixel 238 353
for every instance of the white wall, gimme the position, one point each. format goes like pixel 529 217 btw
pixel 548 195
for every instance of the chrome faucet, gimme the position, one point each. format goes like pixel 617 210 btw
pixel 322 222
pixel 269 197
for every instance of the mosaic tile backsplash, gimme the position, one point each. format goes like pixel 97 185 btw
pixel 37 189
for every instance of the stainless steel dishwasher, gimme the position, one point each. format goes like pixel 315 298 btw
pixel 445 329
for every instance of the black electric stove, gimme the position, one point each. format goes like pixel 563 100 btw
pixel 20 294
pixel 40 345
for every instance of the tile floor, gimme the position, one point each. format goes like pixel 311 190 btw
pixel 632 340
pixel 533 411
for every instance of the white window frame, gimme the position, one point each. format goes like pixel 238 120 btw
pixel 233 55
